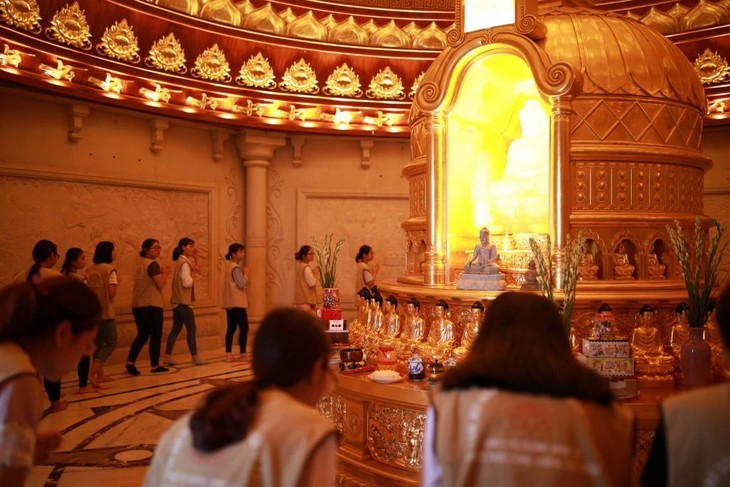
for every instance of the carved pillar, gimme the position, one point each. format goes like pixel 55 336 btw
pixel 436 268
pixel 559 211
pixel 256 150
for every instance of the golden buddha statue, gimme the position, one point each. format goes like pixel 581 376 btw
pixel 622 267
pixel 378 318
pixel 414 325
pixel 651 362
pixel 720 369
pixel 471 330
pixel 587 267
pixel 680 330
pixel 441 335
pixel 655 268
pixel 392 318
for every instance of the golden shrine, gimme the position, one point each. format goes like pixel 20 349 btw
pixel 554 121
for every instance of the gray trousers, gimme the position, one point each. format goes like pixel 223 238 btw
pixel 182 314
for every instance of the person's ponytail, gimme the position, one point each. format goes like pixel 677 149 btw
pixel 225 417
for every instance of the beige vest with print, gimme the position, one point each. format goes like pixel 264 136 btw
pixel 180 294
pixel 145 291
pixel 303 294
pixel 698 437
pixel 232 296
pixel 97 277
pixel 486 437
pixel 360 283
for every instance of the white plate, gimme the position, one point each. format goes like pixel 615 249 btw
pixel 387 380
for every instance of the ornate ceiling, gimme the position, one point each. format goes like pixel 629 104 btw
pixel 307 65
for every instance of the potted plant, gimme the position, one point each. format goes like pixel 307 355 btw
pixel 326 257
pixel 699 270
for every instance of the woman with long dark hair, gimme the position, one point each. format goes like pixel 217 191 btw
pixel 149 279
pixel 305 286
pixel 266 429
pixel 103 280
pixel 365 273
pixel 73 264
pixel 235 299
pixel 520 410
pixel 185 256
pixel 45 328
pixel 45 256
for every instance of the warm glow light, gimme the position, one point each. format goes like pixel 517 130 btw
pixel 498 154
pixel 483 14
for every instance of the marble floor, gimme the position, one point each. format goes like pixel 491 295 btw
pixel 109 435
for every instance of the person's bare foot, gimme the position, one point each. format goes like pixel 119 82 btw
pixel 86 390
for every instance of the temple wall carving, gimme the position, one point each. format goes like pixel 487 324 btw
pixel 642 121
pixel 636 186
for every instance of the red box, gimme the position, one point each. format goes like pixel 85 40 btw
pixel 327 314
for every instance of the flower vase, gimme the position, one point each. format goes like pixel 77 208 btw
pixel 696 360
pixel 331 297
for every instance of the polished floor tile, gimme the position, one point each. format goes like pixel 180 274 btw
pixel 109 435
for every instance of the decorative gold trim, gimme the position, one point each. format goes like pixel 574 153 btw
pixel 203 102
pixel 10 57
pixel 69 26
pixel 168 55
pixel 60 71
pixel 711 68
pixel 300 78
pixel 251 109
pixel 257 72
pixel 416 84
pixel 120 42
pixel 212 65
pixel 343 81
pixel 159 94
pixel 110 84
pixel 25 14
pixel 386 85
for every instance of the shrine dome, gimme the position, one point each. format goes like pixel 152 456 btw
pixel 617 55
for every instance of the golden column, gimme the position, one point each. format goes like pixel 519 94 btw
pixel 435 268
pixel 256 149
pixel 560 180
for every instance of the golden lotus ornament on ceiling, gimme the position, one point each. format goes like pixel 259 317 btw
pixel 257 72
pixel 343 82
pixel 711 68
pixel 119 42
pixel 167 54
pixel 386 85
pixel 299 78
pixel 212 65
pixel 24 14
pixel 69 26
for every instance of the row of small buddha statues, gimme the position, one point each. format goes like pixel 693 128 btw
pixel 380 325
pixel 654 362
pixel 623 269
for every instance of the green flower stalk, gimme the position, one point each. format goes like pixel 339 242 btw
pixel 546 273
pixel 326 258
pixel 700 272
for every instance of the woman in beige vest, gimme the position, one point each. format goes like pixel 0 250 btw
pixel 45 257
pixel 45 328
pixel 102 279
pixel 520 410
pixel 264 432
pixel 73 264
pixel 235 300
pixel 305 285
pixel 365 273
pixel 185 256
pixel 149 279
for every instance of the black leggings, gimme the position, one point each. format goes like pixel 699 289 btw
pixel 149 326
pixel 83 370
pixel 53 390
pixel 237 318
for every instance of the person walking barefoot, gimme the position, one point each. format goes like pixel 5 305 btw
pixel 235 300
